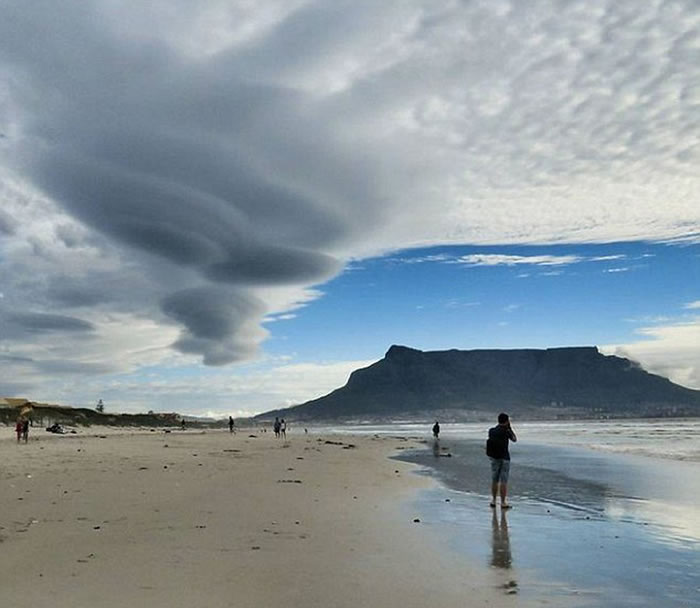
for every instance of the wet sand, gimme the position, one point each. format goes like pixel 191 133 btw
pixel 603 529
pixel 210 519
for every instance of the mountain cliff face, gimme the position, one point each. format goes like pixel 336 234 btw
pixel 540 383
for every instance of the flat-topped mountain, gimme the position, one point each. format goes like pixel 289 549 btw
pixel 464 384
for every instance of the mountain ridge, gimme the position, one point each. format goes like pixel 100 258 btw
pixel 557 382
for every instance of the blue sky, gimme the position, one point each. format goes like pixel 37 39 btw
pixel 429 300
pixel 226 207
pixel 418 299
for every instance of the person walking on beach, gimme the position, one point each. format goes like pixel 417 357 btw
pixel 283 428
pixel 497 451
pixel 231 425
pixel 276 427
pixel 436 430
pixel 19 428
pixel 25 430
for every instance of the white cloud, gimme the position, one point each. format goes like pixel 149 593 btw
pixel 692 305
pixel 486 259
pixel 500 259
pixel 651 319
pixel 461 303
pixel 607 258
pixel 668 350
pixel 441 257
pixel 284 317
pixel 261 387
pixel 621 269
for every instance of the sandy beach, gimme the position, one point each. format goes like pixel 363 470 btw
pixel 212 519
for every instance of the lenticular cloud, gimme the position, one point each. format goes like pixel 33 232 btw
pixel 220 150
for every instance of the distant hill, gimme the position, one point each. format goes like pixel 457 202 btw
pixel 473 384
pixel 44 414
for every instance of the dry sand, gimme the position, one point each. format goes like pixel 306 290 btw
pixel 211 519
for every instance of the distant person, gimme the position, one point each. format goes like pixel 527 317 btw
pixel 436 430
pixel 25 430
pixel 283 428
pixel 231 425
pixel 276 427
pixel 497 451
pixel 182 424
pixel 19 428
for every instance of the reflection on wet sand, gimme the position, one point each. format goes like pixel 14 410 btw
pixel 628 526
pixel 501 556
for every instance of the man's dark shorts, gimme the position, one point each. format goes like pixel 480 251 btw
pixel 500 468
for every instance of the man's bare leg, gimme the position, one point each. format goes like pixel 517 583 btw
pixel 504 493
pixel 494 492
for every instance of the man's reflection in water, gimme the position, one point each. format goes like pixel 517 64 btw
pixel 501 556
pixel 436 448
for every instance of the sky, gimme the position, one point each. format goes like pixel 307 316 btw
pixel 225 207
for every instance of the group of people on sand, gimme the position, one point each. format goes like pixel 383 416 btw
pixel 497 451
pixel 280 428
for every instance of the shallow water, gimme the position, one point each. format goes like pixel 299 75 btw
pixel 605 513
pixel 608 529
pixel 672 439
pixel 598 562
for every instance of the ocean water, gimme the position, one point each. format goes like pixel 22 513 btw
pixel 675 439
pixel 605 513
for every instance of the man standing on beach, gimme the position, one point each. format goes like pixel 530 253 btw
pixel 497 451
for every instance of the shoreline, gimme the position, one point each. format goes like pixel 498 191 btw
pixel 602 527
pixel 208 518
